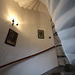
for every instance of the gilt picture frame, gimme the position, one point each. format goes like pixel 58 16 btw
pixel 11 37
pixel 41 34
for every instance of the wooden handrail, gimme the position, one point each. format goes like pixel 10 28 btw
pixel 2 66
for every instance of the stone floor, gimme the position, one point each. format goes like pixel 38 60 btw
pixel 62 70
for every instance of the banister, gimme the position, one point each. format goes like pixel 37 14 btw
pixel 2 66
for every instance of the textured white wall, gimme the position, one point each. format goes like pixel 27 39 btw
pixel 34 66
pixel 27 42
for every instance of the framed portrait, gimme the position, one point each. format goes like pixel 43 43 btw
pixel 41 34
pixel 11 37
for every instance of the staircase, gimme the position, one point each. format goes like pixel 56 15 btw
pixel 62 13
pixel 62 59
pixel 63 16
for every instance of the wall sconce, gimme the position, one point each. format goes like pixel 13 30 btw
pixel 13 22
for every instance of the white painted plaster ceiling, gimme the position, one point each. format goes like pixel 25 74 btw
pixel 29 4
pixel 35 5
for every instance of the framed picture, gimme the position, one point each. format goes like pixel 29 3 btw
pixel 41 34
pixel 11 37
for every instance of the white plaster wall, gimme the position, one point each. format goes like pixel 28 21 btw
pixel 27 42
pixel 34 66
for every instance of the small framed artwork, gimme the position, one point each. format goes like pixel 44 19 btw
pixel 11 37
pixel 41 34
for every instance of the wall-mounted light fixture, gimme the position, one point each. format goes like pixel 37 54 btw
pixel 14 23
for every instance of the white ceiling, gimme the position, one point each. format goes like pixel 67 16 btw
pixel 35 5
pixel 29 4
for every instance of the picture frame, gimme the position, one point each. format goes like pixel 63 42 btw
pixel 41 34
pixel 11 37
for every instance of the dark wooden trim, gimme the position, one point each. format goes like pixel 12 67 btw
pixel 58 45
pixel 2 66
pixel 61 56
pixel 55 34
